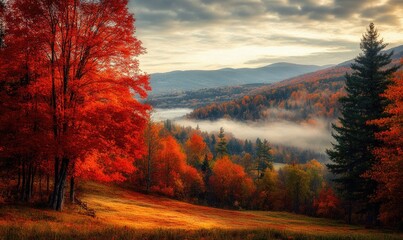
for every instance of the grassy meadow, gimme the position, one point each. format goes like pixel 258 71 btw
pixel 122 214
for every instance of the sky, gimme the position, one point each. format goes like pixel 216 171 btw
pixel 214 34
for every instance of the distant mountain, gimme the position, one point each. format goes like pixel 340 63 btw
pixel 179 81
pixel 397 54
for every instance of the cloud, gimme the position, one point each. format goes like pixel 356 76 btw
pixel 184 30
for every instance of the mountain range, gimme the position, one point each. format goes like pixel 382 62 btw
pixel 179 81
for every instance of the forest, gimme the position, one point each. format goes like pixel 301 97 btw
pixel 73 112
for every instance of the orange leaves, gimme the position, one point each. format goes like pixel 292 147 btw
pixel 196 150
pixel 230 184
pixel 103 167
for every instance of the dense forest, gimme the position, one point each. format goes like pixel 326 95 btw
pixel 297 102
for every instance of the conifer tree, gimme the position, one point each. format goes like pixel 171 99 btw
pixel 352 154
pixel 221 148
pixel 263 157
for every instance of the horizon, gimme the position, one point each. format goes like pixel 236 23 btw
pixel 211 35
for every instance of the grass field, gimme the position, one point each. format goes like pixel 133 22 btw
pixel 122 214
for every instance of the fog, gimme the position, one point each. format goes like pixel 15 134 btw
pixel 281 132
pixel 306 136
pixel 162 114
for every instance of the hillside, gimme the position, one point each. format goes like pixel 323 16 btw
pixel 178 81
pixel 198 98
pixel 309 96
pixel 124 214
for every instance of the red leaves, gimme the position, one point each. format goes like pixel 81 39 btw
pixel 389 171
pixel 327 204
pixel 71 79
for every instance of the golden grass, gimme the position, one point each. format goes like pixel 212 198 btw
pixel 119 208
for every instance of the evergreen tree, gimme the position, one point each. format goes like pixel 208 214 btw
pixel 206 169
pixel 263 157
pixel 352 153
pixel 248 146
pixel 212 146
pixel 234 147
pixel 221 148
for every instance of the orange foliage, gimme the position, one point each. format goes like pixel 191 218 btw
pixel 171 175
pixel 196 150
pixel 230 184
pixel 389 171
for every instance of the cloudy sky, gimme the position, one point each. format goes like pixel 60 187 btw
pixel 212 34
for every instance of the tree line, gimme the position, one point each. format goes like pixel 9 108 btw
pixel 187 169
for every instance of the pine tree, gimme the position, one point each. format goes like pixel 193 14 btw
pixel 352 153
pixel 221 148
pixel 206 169
pixel 263 157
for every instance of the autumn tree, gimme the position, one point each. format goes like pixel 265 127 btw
pixel 352 154
pixel 145 166
pixel 267 190
pixel 171 162
pixel 315 171
pixel 296 183
pixel 196 150
pixel 79 59
pixel 327 204
pixel 388 172
pixel 230 184
pixel 172 176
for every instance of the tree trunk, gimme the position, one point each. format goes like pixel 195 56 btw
pixel 149 167
pixel 19 177
pixel 40 185
pixel 58 193
pixel 27 186
pixel 72 189
pixel 55 183
pixel 31 187
pixel 23 182
pixel 349 211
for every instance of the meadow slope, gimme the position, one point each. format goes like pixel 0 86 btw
pixel 124 214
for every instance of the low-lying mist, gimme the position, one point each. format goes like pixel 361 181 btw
pixel 315 136
pixel 306 136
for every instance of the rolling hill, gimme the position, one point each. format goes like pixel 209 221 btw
pixel 123 214
pixel 308 96
pixel 179 81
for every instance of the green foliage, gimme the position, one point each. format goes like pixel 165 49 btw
pixel 221 148
pixel 263 157
pixel 352 154
pixel 297 185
